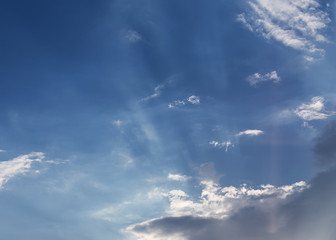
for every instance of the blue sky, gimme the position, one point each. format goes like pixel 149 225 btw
pixel 156 119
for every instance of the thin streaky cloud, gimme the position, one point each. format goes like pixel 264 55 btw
pixel 250 132
pixel 178 177
pixel 298 24
pixel 315 110
pixel 225 144
pixel 18 166
pixel 157 92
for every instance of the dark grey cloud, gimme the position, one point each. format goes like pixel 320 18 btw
pixel 308 215
pixel 325 148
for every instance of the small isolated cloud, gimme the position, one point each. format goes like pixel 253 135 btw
pixel 178 177
pixel 157 92
pixel 18 166
pixel 117 123
pixel 268 77
pixel 226 144
pixel 1 150
pixel 192 100
pixel 132 36
pixel 250 132
pixel 313 111
pixel 299 24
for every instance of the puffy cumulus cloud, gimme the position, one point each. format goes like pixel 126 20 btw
pixel 178 177
pixel 18 166
pixel 192 100
pixel 221 202
pixel 235 212
pixel 325 147
pixel 157 92
pixel 314 110
pixel 268 77
pixel 225 144
pixel 250 132
pixel 298 24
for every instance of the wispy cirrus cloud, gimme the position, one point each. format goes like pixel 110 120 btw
pixel 192 100
pixel 298 24
pixel 225 144
pixel 178 177
pixel 256 78
pixel 157 92
pixel 250 132
pixel 18 166
pixel 314 110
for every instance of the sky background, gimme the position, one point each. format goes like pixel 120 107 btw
pixel 155 119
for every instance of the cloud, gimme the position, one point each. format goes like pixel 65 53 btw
pixel 1 150
pixel 192 99
pixel 235 212
pixel 226 144
pixel 221 202
pixel 18 166
pixel 177 177
pixel 298 24
pixel 281 213
pixel 313 110
pixel 325 146
pixel 132 36
pixel 117 123
pixel 157 92
pixel 257 78
pixel 299 211
pixel 250 132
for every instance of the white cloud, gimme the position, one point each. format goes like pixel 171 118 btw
pixel 157 92
pixel 117 123
pixel 298 24
pixel 250 132
pixel 226 144
pixel 257 78
pixel 1 150
pixel 192 99
pixel 178 177
pixel 214 203
pixel 132 36
pixel 18 166
pixel 220 202
pixel 313 111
